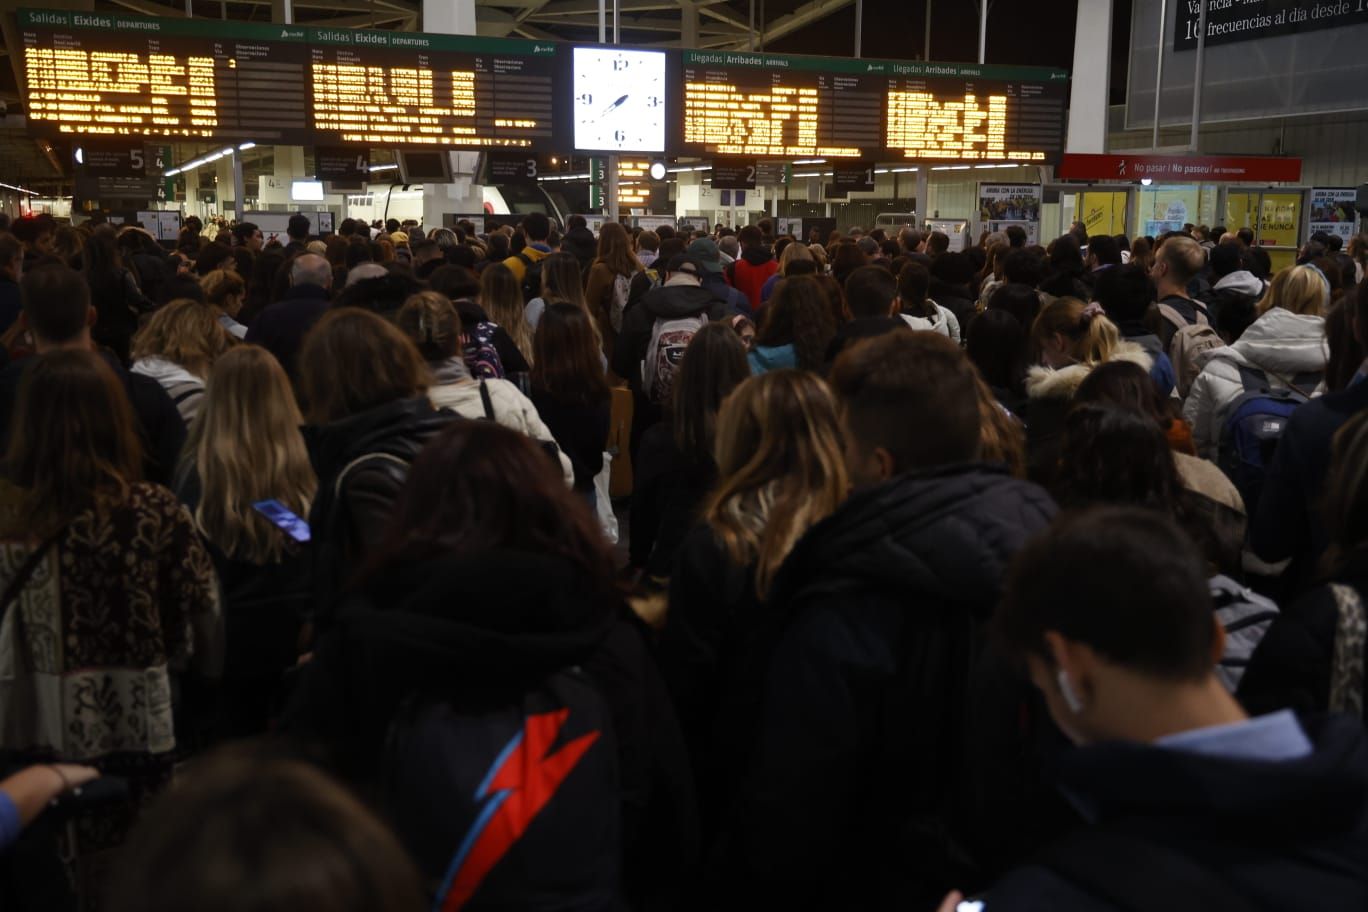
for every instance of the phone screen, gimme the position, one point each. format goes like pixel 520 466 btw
pixel 281 516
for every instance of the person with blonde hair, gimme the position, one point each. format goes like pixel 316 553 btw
pixel 778 447
pixel 224 290
pixel 502 300
pixel 245 448
pixel 431 321
pixel 1070 339
pixel 177 347
pixel 794 252
pixel 1283 350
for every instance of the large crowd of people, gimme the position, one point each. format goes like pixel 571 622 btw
pixel 672 569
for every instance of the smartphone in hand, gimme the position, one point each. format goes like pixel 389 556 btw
pixel 283 518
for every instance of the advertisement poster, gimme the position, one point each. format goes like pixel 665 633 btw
pixel 1168 209
pixel 1102 212
pixel 1279 218
pixel 1005 203
pixel 1332 211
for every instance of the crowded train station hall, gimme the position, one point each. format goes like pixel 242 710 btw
pixel 664 455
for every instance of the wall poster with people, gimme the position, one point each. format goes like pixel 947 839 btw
pixel 1332 211
pixel 1001 205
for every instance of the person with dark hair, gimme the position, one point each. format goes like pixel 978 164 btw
pixel 114 293
pixel 937 244
pixel 113 597
pixel 1066 270
pixel 489 616
pixel 848 794
pixel 36 233
pixel 608 283
pixel 997 346
pixel 58 315
pixel 705 250
pixel 570 391
pixel 11 271
pixel 916 307
pixel 1020 300
pixel 1016 236
pixel 536 229
pixel 1079 232
pixel 1023 267
pixel 365 428
pixel 384 292
pixel 674 466
pixel 1235 286
pixel 1125 294
pixel 1307 659
pixel 1185 795
pixel 796 329
pixel 1287 523
pixel 297 230
pixel 282 326
pixel 1103 254
pixel 298 838
pixel 248 235
pixel 846 257
pixel 871 295
pixel 951 275
pixel 753 267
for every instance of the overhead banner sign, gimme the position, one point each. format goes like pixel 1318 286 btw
pixel 1260 169
pixel 1229 21
pixel 1332 211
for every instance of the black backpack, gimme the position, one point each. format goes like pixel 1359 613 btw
pixel 509 800
pixel 532 273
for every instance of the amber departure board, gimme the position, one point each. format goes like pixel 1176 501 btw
pixel 102 74
pixel 400 88
pixel 778 106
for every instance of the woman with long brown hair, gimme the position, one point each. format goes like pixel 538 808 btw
pixel 245 448
pixel 609 281
pixel 796 329
pixel 780 461
pixel 489 615
pixel 177 348
pixel 570 391
pixel 108 592
pixel 502 300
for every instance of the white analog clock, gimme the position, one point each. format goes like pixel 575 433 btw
pixel 619 100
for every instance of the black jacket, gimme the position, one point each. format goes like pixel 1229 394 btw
pixel 350 513
pixel 669 302
pixel 1291 667
pixel 118 302
pixel 11 304
pixel 1288 522
pixel 472 627
pixel 667 489
pixel 280 328
pixel 160 426
pixel 580 429
pixel 860 328
pixel 863 788
pixel 1290 835
pixel 957 299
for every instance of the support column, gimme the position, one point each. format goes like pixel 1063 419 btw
pixel 448 17
pixel 688 24
pixel 923 194
pixel 461 196
pixel 1090 80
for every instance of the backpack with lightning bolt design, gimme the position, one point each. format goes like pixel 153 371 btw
pixel 509 800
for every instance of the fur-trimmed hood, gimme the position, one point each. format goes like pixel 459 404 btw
pixel 1048 383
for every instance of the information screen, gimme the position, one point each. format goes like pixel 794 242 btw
pixel 401 88
pixel 101 74
pixel 767 105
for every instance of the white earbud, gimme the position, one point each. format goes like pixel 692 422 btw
pixel 1066 691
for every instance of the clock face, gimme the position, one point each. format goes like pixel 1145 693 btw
pixel 619 100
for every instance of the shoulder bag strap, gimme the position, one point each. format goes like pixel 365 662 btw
pixel 1346 669
pixel 26 571
pixel 488 403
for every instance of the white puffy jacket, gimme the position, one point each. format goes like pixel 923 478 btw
pixel 511 409
pixel 1279 343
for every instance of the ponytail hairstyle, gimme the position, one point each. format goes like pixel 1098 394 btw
pixel 1093 339
pixel 431 321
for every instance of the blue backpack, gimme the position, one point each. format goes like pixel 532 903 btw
pixel 1255 424
pixel 481 357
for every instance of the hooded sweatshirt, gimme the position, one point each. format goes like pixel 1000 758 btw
pixel 1280 344
pixel 185 389
pixel 682 296
pixel 751 271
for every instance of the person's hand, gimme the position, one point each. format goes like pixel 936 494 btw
pixel 32 788
pixel 951 901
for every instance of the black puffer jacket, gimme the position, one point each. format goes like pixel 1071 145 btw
pixel 362 462
pixel 863 787
pixel 670 302
pixel 1285 835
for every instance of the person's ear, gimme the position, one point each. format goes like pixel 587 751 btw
pixel 92 316
pixel 1075 664
pixel 1218 640
pixel 887 465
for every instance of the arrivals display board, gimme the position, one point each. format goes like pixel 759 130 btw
pixel 780 106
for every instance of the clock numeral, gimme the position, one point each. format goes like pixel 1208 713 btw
pixel 619 136
pixel 585 99
pixel 653 102
pixel 619 65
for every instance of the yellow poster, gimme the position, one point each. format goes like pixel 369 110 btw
pixel 1103 213
pixel 1279 220
pixel 1240 211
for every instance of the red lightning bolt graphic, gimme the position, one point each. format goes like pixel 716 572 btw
pixel 523 780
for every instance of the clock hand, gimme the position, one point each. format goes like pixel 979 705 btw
pixel 614 105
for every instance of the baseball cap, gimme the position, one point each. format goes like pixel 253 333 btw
pixel 705 251
pixel 686 264
pixel 399 237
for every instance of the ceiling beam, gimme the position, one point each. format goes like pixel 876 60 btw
pixel 558 8
pixel 805 15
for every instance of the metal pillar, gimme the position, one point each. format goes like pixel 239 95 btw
pixel 926 54
pixel 983 31
pixel 239 192
pixel 1197 75
pixel 750 46
pixel 859 25
pixel 1159 73
pixel 603 22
